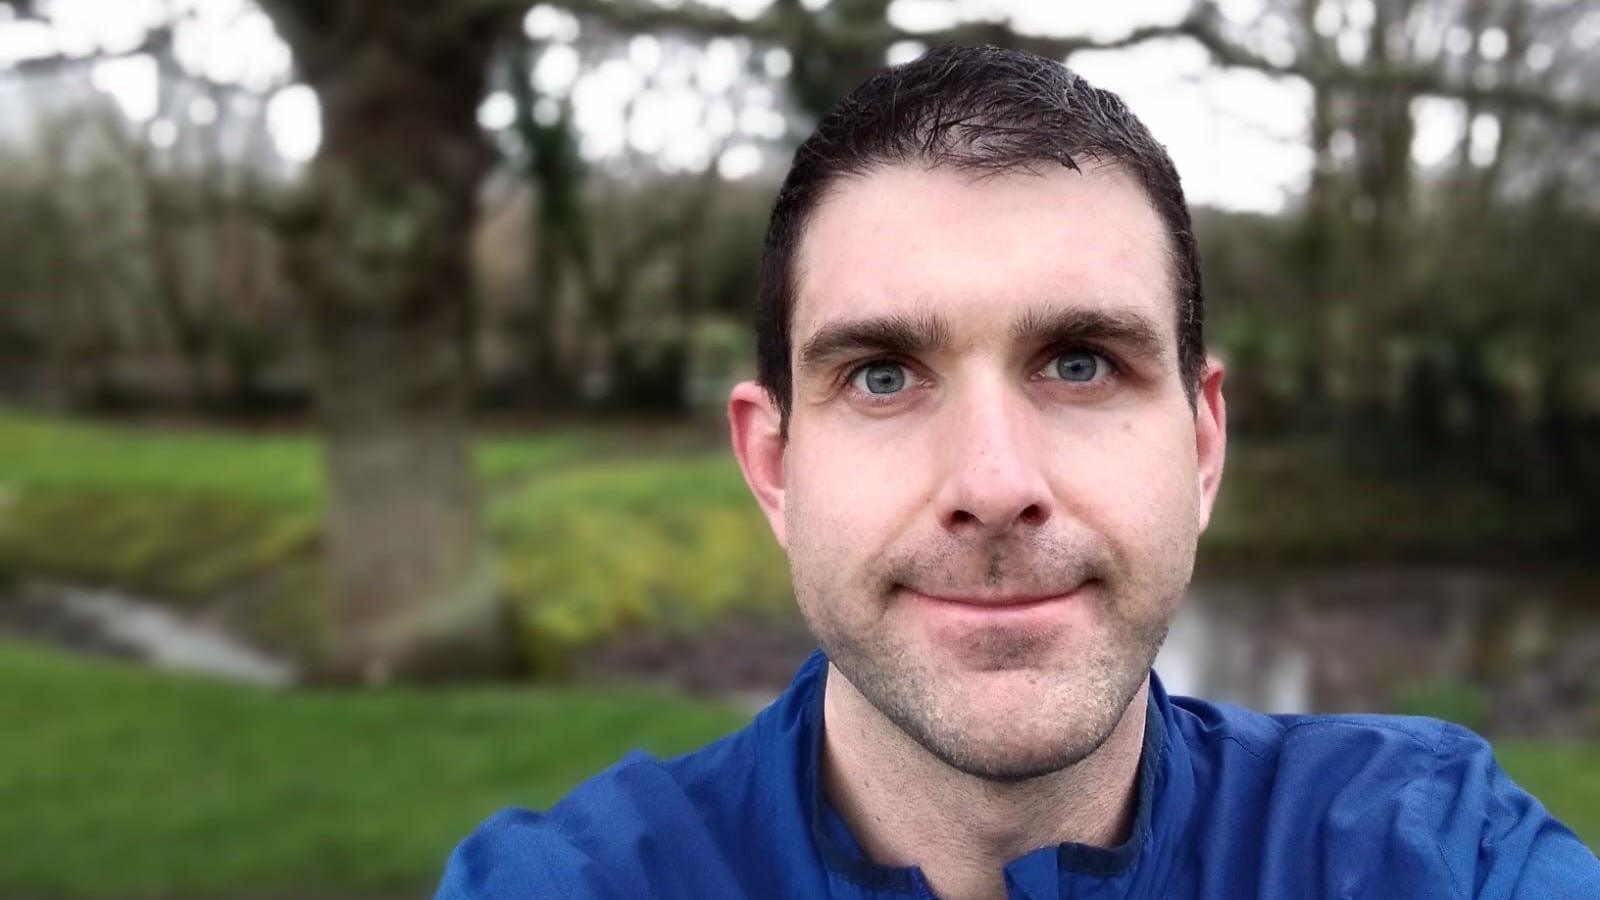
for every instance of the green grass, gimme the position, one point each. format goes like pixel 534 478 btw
pixel 1565 777
pixel 273 471
pixel 130 784
pixel 40 454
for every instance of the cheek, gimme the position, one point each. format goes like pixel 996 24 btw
pixel 850 493
pixel 825 516
pixel 1137 480
pixel 846 505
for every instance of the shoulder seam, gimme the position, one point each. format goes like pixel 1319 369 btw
pixel 1196 739
pixel 1239 742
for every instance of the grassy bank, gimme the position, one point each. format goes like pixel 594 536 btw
pixel 591 535
pixel 183 513
pixel 192 515
pixel 123 783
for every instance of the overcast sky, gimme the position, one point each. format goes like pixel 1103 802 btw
pixel 1238 137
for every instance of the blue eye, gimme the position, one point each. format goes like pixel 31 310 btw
pixel 880 378
pixel 1077 365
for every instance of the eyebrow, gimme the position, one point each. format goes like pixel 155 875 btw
pixel 1133 333
pixel 914 335
pixel 897 334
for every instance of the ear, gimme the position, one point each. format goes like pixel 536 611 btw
pixel 1210 435
pixel 757 430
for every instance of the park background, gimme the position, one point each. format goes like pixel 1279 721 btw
pixel 362 460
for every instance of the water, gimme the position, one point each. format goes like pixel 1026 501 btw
pixel 1358 639
pixel 112 622
pixel 1213 652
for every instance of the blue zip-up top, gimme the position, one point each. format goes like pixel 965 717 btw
pixel 1231 804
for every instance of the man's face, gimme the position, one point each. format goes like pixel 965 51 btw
pixel 993 481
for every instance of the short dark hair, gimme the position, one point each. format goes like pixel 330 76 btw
pixel 982 109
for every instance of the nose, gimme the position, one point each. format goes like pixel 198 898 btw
pixel 994 474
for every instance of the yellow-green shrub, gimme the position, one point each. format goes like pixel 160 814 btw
pixel 664 544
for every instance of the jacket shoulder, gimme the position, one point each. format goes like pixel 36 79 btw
pixel 1386 806
pixel 624 833
pixel 517 853
pixel 1286 739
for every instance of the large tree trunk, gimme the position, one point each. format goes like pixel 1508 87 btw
pixel 382 257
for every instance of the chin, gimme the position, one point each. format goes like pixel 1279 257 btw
pixel 1012 755
pixel 1013 730
pixel 1002 726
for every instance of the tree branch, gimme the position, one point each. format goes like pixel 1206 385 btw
pixel 1417 80
pixel 1202 25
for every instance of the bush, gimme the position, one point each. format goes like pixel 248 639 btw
pixel 666 544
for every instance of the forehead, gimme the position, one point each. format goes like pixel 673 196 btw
pixel 978 250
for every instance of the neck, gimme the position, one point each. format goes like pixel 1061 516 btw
pixel 906 807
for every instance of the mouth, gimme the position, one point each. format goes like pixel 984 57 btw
pixel 997 602
pixel 993 631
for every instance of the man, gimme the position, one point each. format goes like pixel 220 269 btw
pixel 988 437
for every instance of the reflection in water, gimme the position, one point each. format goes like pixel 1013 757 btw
pixel 1353 639
pixel 1210 653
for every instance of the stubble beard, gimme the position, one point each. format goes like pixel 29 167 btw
pixel 1080 701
